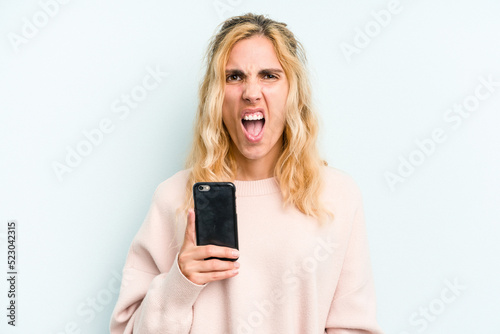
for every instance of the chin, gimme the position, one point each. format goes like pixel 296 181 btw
pixel 252 155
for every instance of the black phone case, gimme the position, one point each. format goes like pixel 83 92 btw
pixel 215 214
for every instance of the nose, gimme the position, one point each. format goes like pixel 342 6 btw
pixel 252 91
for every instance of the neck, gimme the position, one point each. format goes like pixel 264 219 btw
pixel 258 169
pixel 254 170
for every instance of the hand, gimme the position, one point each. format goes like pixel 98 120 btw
pixel 192 258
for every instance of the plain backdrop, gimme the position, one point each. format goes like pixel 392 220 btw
pixel 408 93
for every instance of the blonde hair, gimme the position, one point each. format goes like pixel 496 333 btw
pixel 211 158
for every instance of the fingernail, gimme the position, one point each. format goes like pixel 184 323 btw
pixel 236 253
pixel 236 265
pixel 235 271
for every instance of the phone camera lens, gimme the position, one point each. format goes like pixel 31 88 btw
pixel 204 187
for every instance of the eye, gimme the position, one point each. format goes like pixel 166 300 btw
pixel 233 77
pixel 270 76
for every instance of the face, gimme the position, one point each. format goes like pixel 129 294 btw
pixel 253 110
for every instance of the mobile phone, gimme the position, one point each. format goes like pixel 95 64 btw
pixel 215 214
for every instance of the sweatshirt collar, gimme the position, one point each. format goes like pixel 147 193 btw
pixel 256 188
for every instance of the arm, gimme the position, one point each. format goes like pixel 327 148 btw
pixel 154 293
pixel 160 282
pixel 353 307
pixel 148 302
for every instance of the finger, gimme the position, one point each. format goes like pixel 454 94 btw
pixel 217 251
pixel 216 265
pixel 203 278
pixel 190 235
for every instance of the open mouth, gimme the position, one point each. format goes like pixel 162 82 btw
pixel 253 124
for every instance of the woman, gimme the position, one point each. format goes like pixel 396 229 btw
pixel 303 263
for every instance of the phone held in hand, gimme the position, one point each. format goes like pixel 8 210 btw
pixel 215 214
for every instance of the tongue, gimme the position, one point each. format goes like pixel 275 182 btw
pixel 253 127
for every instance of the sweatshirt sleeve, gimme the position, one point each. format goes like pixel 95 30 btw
pixel 154 295
pixel 353 306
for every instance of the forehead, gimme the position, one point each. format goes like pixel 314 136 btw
pixel 256 51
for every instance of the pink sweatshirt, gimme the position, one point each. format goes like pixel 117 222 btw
pixel 296 276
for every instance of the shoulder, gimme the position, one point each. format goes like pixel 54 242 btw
pixel 179 179
pixel 339 185
pixel 172 189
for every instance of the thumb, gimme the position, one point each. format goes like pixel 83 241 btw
pixel 190 235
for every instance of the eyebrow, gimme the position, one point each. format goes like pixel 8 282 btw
pixel 261 72
pixel 270 71
pixel 235 72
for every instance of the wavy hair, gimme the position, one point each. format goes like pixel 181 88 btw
pixel 211 158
